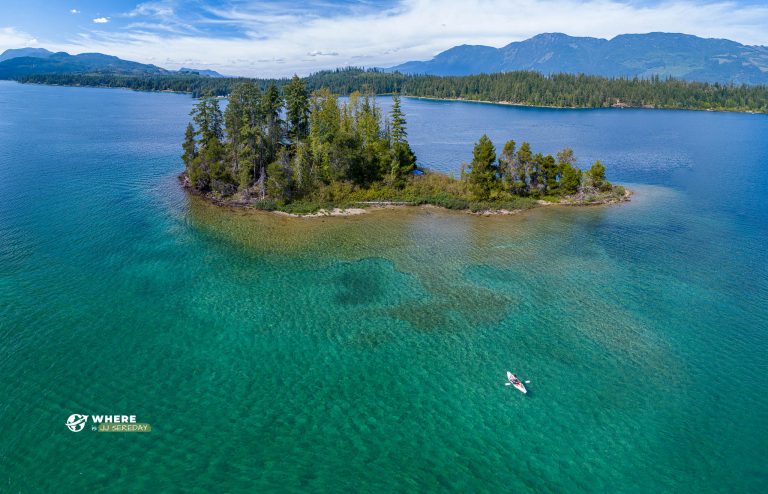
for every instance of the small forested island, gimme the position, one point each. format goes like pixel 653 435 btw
pixel 301 153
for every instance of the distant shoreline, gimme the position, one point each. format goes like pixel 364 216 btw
pixel 619 106
pixel 614 107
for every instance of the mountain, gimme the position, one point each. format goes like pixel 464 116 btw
pixel 644 55
pixel 26 61
pixel 202 72
pixel 64 63
pixel 25 52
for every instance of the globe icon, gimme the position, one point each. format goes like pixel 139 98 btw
pixel 76 422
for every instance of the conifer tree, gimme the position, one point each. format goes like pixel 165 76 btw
pixel 397 126
pixel 570 179
pixel 524 159
pixel 297 109
pixel 550 173
pixel 596 176
pixel 189 146
pixel 251 135
pixel 403 157
pixel 483 174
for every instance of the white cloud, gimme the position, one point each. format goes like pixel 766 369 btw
pixel 279 41
pixel 74 11
pixel 12 38
pixel 100 20
pixel 158 9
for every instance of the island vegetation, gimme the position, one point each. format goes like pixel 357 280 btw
pixel 521 88
pixel 301 152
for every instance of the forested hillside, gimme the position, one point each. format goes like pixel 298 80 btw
pixel 524 88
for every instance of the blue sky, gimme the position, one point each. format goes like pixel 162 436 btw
pixel 279 37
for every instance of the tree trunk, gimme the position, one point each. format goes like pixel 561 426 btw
pixel 262 183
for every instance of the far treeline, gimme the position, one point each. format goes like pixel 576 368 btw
pixel 524 88
pixel 324 154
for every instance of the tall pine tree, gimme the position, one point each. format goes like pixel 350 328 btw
pixel 297 109
pixel 403 157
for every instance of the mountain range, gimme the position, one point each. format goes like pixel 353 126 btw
pixel 680 56
pixel 27 61
pixel 643 55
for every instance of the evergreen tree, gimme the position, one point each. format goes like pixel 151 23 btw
pixel 271 134
pixel 251 135
pixel 304 171
pixel 507 161
pixel 403 158
pixel 570 179
pixel 234 118
pixel 208 165
pixel 596 176
pixel 324 127
pixel 397 126
pixel 534 172
pixel 483 174
pixel 207 115
pixel 189 146
pixel 297 109
pixel 550 173
pixel 524 160
pixel 279 179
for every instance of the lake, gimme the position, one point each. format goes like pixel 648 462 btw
pixel 368 354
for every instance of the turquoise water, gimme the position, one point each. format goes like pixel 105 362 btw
pixel 367 354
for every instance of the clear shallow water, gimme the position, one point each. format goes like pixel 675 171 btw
pixel 368 353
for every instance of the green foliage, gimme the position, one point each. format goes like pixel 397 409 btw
pixel 189 146
pixel 596 176
pixel 336 155
pixel 297 109
pixel 550 173
pixel 522 87
pixel 265 205
pixel 566 157
pixel 507 162
pixel 207 115
pixel 403 159
pixel 483 174
pixel 398 126
pixel 570 179
pixel 523 166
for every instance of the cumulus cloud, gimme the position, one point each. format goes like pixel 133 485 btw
pixel 74 11
pixel 101 20
pixel 274 40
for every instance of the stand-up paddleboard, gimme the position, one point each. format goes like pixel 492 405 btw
pixel 514 381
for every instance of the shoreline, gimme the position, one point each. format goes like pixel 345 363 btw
pixel 612 107
pixel 431 98
pixel 347 212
